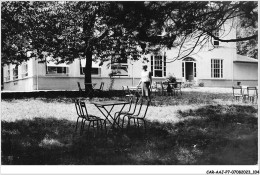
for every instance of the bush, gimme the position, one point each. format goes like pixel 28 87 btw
pixel 171 78
pixel 201 84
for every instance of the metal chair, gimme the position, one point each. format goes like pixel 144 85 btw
pixel 164 86
pixel 131 109
pixel 83 114
pixel 252 94
pixel 139 114
pixel 81 91
pixel 177 88
pixel 101 87
pixel 127 92
pixel 100 90
pixel 237 92
pixel 158 88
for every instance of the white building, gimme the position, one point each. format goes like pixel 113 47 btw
pixel 218 67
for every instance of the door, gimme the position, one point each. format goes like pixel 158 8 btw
pixel 189 70
pixel 189 75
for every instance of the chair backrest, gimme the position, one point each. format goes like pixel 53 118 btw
pixel 83 108
pixel 163 85
pixel 78 108
pixel 135 101
pixel 153 86
pixel 126 89
pixel 101 86
pixel 157 85
pixel 252 91
pixel 237 90
pixel 147 105
pixel 178 85
pixel 144 105
pixel 79 86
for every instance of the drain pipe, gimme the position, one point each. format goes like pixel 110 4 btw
pixel 37 76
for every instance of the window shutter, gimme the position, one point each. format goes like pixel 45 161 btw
pixel 164 66
pixel 152 65
pixel 182 69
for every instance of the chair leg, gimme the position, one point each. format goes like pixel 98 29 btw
pixel 144 125
pixel 82 121
pixel 97 125
pixel 105 123
pixel 89 123
pixel 82 127
pixel 76 125
pixel 123 121
pixel 128 124
pixel 93 125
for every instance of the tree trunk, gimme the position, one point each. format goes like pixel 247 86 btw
pixel 88 68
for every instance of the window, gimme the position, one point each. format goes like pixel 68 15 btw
pixel 94 70
pixel 216 42
pixel 158 66
pixel 57 70
pixel 119 70
pixel 24 70
pixel 216 68
pixel 15 72
pixel 7 77
pixel 52 67
pixel 119 66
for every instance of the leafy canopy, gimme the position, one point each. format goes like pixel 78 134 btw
pixel 105 30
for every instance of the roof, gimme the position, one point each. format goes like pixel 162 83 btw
pixel 244 59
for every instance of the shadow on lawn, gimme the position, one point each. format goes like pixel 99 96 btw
pixel 212 135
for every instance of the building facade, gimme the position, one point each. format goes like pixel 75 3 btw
pixel 215 65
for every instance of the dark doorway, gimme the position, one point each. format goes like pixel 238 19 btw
pixel 189 71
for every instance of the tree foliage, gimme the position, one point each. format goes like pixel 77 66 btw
pixel 248 47
pixel 105 30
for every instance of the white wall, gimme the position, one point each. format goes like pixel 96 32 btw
pixel 245 71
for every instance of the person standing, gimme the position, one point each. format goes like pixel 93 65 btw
pixel 146 82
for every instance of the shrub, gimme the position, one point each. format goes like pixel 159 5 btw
pixel 171 78
pixel 201 84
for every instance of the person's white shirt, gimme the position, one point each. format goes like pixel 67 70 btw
pixel 145 76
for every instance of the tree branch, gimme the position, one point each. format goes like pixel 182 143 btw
pixel 233 40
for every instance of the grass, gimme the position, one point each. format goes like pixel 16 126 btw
pixel 197 128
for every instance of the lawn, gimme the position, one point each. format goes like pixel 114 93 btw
pixel 198 128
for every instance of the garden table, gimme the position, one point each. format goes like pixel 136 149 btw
pixel 90 90
pixel 107 112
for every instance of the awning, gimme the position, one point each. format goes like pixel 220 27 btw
pixel 52 63
pixel 94 64
pixel 245 59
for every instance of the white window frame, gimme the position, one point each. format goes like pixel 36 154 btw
pixel 158 63
pixel 56 72
pixel 24 70
pixel 8 76
pixel 216 43
pixel 82 68
pixel 119 68
pixel 217 68
pixel 15 72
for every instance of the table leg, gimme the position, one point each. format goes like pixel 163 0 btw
pixel 104 113
pixel 108 113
